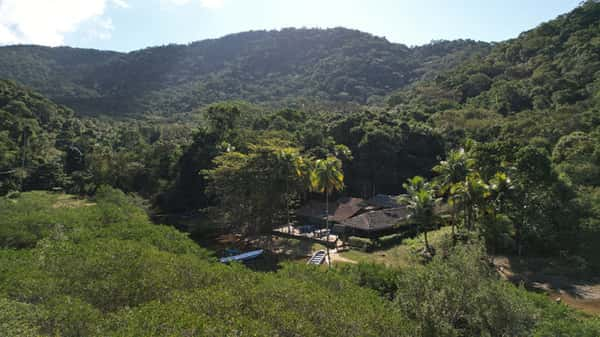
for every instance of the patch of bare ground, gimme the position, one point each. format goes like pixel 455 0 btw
pixel 582 294
pixel 337 258
pixel 71 201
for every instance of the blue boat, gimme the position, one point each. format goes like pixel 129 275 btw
pixel 242 257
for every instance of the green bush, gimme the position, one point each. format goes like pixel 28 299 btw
pixel 365 245
pixel 105 270
pixel 18 319
pixel 458 296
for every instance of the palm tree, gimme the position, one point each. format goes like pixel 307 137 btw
pixel 499 191
pixel 452 172
pixel 421 202
pixel 327 177
pixel 287 170
pixel 500 188
pixel 296 170
pixel 474 191
pixel 304 167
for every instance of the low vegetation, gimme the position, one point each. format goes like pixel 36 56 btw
pixel 495 149
pixel 103 269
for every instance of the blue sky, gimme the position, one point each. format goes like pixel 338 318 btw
pixel 126 25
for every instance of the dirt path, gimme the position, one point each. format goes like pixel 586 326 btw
pixel 69 201
pixel 336 257
pixel 579 294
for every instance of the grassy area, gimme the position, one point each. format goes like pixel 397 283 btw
pixel 400 255
pixel 61 200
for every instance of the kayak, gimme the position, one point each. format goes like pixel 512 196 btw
pixel 242 257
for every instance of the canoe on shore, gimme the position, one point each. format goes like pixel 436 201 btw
pixel 242 257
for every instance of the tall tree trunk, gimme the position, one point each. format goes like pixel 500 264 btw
pixel 23 155
pixel 466 215
pixel 470 217
pixel 327 226
pixel 518 238
pixel 287 206
pixel 453 227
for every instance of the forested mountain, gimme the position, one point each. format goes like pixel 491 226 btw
pixel 545 83
pixel 34 132
pixel 494 150
pixel 539 89
pixel 542 89
pixel 539 92
pixel 291 66
pixel 44 145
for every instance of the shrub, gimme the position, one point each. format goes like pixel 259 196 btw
pixel 457 296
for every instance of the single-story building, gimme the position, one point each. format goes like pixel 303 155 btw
pixel 314 212
pixel 379 216
pixel 374 223
pixel 385 201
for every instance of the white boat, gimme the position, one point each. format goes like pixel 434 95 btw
pixel 242 257
pixel 317 258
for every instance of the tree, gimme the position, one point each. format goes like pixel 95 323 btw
pixel 421 202
pixel 255 189
pixel 496 224
pixel 458 294
pixel 577 158
pixel 296 171
pixel 500 188
pixel 543 210
pixel 327 177
pixel 450 174
pixel 223 117
pixel 452 170
pixel 472 192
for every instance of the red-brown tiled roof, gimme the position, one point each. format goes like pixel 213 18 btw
pixel 340 210
pixel 378 220
pixel 347 208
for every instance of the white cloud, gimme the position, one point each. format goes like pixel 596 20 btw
pixel 46 22
pixel 7 36
pixel 101 28
pixel 120 3
pixel 212 4
pixel 178 2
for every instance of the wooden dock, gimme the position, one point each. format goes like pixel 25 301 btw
pixel 318 236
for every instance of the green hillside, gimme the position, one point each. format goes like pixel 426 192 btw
pixel 537 87
pixel 486 155
pixel 72 267
pixel 34 135
pixel 291 66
